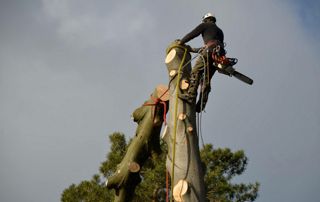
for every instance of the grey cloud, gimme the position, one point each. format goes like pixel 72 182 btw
pixel 88 28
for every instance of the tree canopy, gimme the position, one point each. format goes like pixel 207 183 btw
pixel 221 165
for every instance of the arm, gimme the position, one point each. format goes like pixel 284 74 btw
pixel 194 33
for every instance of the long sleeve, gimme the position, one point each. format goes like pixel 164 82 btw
pixel 194 33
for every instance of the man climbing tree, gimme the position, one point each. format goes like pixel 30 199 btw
pixel 195 175
pixel 204 69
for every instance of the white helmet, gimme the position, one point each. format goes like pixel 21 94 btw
pixel 208 15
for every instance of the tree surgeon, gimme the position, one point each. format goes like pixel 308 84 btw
pixel 204 68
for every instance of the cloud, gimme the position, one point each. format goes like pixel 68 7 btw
pixel 118 23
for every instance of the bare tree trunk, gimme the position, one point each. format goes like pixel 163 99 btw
pixel 147 140
pixel 180 133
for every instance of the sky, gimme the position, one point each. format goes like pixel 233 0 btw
pixel 73 71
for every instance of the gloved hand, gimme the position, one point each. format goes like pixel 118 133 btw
pixel 178 41
pixel 196 50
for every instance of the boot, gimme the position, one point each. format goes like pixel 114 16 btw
pixel 203 99
pixel 191 95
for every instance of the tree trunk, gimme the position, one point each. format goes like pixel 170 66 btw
pixel 149 117
pixel 187 177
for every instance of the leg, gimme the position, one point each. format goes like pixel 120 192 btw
pixel 206 88
pixel 196 74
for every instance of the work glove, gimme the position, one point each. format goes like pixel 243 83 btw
pixel 178 41
pixel 196 50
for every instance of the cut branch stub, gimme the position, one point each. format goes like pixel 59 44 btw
pixel 190 129
pixel 170 56
pixel 134 167
pixel 182 116
pixel 172 73
pixel 162 92
pixel 180 189
pixel 184 84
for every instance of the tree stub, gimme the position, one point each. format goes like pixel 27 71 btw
pixel 134 167
pixel 162 92
pixel 180 189
pixel 172 73
pixel 182 116
pixel 184 84
pixel 170 56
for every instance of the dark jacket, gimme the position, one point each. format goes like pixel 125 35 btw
pixel 209 31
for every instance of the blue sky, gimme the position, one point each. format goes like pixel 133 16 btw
pixel 64 64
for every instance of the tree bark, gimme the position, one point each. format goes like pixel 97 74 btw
pixel 184 151
pixel 149 117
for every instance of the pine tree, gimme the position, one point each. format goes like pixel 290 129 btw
pixel 220 166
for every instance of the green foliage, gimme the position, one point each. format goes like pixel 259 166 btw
pixel 221 166
pixel 118 149
pixel 153 172
pixel 89 191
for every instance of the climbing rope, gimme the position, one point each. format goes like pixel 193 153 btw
pixel 175 122
pixel 199 116
pixel 198 53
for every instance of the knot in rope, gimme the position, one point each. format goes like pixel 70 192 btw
pixel 157 102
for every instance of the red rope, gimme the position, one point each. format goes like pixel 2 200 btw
pixel 167 186
pixel 158 101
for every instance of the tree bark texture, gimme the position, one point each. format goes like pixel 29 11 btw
pixel 184 151
pixel 149 118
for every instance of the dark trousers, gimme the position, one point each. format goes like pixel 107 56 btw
pixel 202 72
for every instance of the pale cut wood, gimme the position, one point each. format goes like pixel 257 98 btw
pixel 170 56
pixel 180 189
pixel 184 84
pixel 134 167
pixel 162 92
pixel 190 129
pixel 172 73
pixel 182 116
